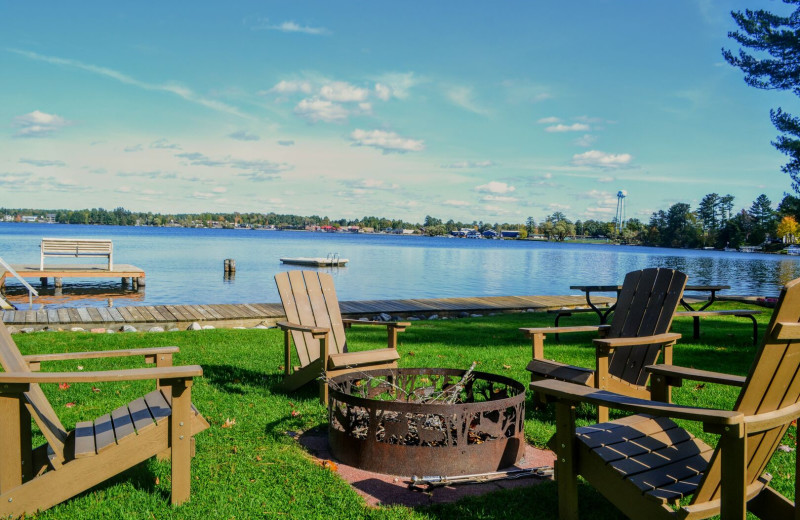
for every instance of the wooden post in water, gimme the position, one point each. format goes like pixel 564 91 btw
pixel 43 281
pixel 58 282
pixel 229 265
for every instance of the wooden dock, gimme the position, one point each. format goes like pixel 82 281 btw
pixel 249 315
pixel 57 272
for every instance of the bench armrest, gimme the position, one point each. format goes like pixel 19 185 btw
pixel 135 374
pixel 674 375
pixel 314 331
pixel 38 358
pixel 561 390
pixel 611 343
pixel 530 332
pixel 393 324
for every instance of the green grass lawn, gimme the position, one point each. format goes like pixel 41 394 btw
pixel 255 469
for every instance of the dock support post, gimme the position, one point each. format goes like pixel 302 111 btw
pixel 140 281
pixel 43 281
pixel 58 282
pixel 135 282
pixel 229 265
pixel 124 281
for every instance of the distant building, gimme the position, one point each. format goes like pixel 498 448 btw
pixel 491 233
pixel 507 233
pixel 51 218
pixel 29 219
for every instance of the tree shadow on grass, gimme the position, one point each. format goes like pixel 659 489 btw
pixel 231 378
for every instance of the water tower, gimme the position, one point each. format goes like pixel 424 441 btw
pixel 620 218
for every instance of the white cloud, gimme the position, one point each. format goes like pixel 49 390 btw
pixel 464 97
pixel 548 120
pixel 387 142
pixel 183 92
pixel 343 92
pixel 165 144
pixel 291 87
pixel 495 187
pixel 383 92
pixel 242 135
pixel 286 142
pixel 499 198
pixel 470 164
pixel 38 124
pixel 455 203
pixel 372 184
pixel 598 159
pixel 220 189
pixel 575 127
pixel 585 140
pixel 395 84
pixel 316 109
pixel 605 179
pixel 42 162
pixel 134 148
pixel 293 27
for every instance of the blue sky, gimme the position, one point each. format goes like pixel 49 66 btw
pixel 492 111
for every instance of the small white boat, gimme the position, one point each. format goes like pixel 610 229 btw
pixel 330 261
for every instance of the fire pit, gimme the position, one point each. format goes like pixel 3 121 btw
pixel 426 421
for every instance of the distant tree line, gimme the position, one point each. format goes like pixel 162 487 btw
pixel 712 223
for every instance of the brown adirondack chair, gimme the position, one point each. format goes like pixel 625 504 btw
pixel 637 334
pixel 162 423
pixel 644 464
pixel 316 326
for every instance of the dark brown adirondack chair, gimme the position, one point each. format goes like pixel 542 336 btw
pixel 637 334
pixel 644 464
pixel 316 326
pixel 162 423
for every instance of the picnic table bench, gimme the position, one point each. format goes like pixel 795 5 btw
pixel 77 247
pixel 741 313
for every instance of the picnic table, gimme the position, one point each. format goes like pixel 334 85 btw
pixel 692 312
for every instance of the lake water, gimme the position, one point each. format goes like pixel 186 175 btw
pixel 185 266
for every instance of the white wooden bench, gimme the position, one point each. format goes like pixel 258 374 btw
pixel 77 247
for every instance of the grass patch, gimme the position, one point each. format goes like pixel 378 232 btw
pixel 255 470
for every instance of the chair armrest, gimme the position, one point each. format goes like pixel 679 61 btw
pixel 314 331
pixel 37 358
pixel 530 332
pixel 669 337
pixel 675 375
pixel 135 374
pixel 580 393
pixel 393 324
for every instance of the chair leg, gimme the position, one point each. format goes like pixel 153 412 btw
pixel 180 441
pixel 734 475
pixel 323 392
pixel 565 466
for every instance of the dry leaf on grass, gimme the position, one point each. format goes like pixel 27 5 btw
pixel 295 413
pixel 95 390
pixel 229 423
pixel 69 405
pixel 63 386
pixel 785 448
pixel 507 367
pixel 329 464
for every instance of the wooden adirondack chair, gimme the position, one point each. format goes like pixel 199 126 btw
pixel 637 334
pixel 645 463
pixel 316 326
pixel 161 423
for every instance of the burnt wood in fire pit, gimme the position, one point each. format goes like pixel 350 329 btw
pixel 426 421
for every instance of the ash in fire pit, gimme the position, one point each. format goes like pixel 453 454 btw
pixel 426 421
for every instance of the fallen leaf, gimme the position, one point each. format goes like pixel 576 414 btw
pixel 794 423
pixel 700 386
pixel 785 448
pixel 237 381
pixel 281 367
pixel 258 458
pixel 63 386
pixel 95 389
pixel 80 367
pixel 507 367
pixel 69 405
pixel 295 413
pixel 158 481
pixel 411 353
pixel 229 423
pixel 330 465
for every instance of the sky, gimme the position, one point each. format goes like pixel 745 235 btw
pixel 470 110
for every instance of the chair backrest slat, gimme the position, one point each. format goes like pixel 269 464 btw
pixel 301 340
pixel 645 307
pixel 40 408
pixel 773 383
pixel 309 299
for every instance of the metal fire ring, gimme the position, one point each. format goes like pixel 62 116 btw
pixel 402 421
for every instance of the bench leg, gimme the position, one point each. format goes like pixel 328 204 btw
pixel 558 317
pixel 696 324
pixel 755 330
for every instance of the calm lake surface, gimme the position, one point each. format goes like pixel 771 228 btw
pixel 185 266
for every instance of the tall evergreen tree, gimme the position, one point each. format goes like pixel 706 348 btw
pixel 779 38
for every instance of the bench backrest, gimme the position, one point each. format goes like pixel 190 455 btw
pixel 39 407
pixel 309 298
pixel 772 384
pixel 86 246
pixel 645 307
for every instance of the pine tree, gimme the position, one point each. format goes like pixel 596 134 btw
pixel 778 37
